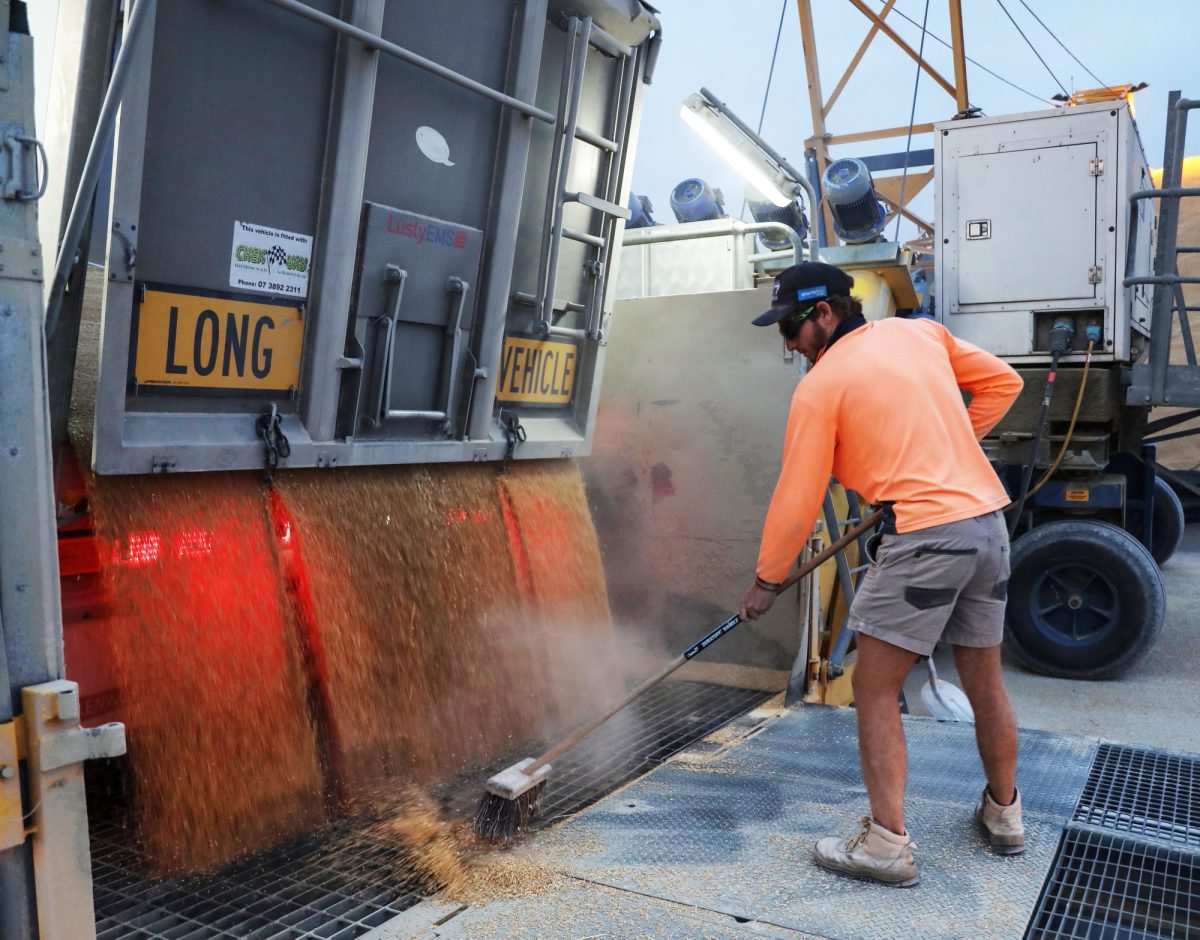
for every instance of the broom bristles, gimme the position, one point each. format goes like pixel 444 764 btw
pixel 503 820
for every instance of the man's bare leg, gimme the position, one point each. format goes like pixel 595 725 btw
pixel 995 724
pixel 879 674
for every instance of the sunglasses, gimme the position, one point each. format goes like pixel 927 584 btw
pixel 790 325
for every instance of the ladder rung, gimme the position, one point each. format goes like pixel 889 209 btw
pixel 600 205
pixel 531 300
pixel 584 237
pixel 589 137
pixel 608 43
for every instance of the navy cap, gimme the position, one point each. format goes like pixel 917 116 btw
pixel 802 285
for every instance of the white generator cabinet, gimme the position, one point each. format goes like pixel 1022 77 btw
pixel 1032 226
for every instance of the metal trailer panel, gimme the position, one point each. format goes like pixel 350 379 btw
pixel 407 99
pixel 235 132
pixel 1032 214
pixel 415 303
pixel 289 130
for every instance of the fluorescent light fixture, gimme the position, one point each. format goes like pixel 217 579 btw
pixel 763 173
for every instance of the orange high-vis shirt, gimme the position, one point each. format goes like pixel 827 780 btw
pixel 883 412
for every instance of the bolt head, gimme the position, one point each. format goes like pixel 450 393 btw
pixel 6 772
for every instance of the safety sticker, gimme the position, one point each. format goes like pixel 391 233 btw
pixel 269 260
pixel 1077 496
pixel 538 371
pixel 188 341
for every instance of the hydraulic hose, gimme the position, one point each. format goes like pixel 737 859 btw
pixel 1060 342
pixel 1062 451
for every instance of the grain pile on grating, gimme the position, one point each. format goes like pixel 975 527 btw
pixel 434 851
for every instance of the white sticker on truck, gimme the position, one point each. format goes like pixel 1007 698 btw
pixel 269 260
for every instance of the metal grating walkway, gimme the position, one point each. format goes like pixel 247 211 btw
pixel 342 883
pixel 1106 886
pixel 723 834
pixel 1143 792
pixel 1128 864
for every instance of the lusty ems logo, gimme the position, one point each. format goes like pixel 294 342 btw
pixel 427 233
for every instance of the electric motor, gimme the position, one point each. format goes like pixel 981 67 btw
pixel 694 200
pixel 858 216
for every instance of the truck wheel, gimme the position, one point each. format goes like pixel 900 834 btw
pixel 1085 600
pixel 1168 522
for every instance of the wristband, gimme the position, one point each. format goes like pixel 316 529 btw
pixel 773 586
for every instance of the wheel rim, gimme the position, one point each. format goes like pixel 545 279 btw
pixel 1074 605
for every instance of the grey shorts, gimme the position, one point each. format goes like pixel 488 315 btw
pixel 946 582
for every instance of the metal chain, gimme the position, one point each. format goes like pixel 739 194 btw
pixel 274 440
pixel 514 433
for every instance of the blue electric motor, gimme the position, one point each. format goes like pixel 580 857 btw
pixel 791 215
pixel 858 216
pixel 642 212
pixel 694 200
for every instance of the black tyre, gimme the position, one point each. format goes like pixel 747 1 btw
pixel 1168 522
pixel 1085 600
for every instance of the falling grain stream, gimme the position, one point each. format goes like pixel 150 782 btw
pixel 286 654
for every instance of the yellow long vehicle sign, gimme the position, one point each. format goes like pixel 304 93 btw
pixel 538 371
pixel 194 341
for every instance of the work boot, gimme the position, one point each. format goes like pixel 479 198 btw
pixel 873 854
pixel 1001 824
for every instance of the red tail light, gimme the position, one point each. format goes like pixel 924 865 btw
pixel 141 548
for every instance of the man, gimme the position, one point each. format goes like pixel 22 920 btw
pixel 881 409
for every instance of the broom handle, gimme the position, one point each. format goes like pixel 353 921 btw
pixel 702 644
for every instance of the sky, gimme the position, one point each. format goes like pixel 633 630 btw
pixel 727 45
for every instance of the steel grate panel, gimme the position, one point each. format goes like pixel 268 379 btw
pixel 341 883
pixel 1147 793
pixel 670 718
pixel 1106 886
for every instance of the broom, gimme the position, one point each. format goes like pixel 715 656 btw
pixel 511 796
